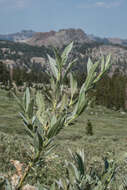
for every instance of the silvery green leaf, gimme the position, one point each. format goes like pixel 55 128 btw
pixel 102 64
pixel 27 94
pixel 66 52
pixel 53 84
pixel 58 58
pixel 53 66
pixel 38 141
pixel 90 77
pixel 50 150
pixel 40 102
pixel 105 69
pixel 62 183
pixel 81 104
pixel 29 133
pixel 75 170
pixel 80 164
pixel 33 119
pixel 41 140
pixel 71 116
pixel 53 120
pixel 69 68
pixel 89 65
pixel 82 154
pixel 73 85
pixel 31 108
pixel 24 119
pixel 53 187
pixel 41 107
pixel 108 58
pixel 85 86
pixel 24 99
pixel 54 129
pixel 48 142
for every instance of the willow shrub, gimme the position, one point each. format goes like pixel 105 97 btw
pixel 56 106
pixel 79 178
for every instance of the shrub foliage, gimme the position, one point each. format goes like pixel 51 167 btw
pixel 46 112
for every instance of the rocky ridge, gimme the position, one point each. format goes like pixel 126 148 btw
pixel 34 50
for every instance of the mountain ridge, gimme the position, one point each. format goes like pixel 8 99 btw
pixel 59 38
pixel 34 50
pixel 18 36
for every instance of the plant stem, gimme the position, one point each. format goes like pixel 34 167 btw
pixel 24 176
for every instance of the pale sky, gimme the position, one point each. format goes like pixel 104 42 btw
pixel 104 18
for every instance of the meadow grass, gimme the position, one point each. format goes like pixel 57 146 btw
pixel 109 139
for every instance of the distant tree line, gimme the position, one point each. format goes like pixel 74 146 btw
pixel 21 75
pixel 13 51
pixel 109 92
pixel 4 73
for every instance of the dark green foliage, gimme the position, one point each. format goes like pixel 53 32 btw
pixel 27 50
pixel 110 91
pixel 21 75
pixel 4 73
pixel 89 128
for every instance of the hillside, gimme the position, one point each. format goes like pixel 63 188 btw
pixel 18 37
pixel 58 39
pixel 22 55
pixel 62 37
pixel 34 54
pixel 97 50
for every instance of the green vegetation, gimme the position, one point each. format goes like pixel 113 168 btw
pixel 109 140
pixel 21 75
pixel 89 128
pixel 111 91
pixel 13 49
pixel 50 114
pixel 79 178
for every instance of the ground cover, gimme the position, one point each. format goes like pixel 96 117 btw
pixel 109 139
